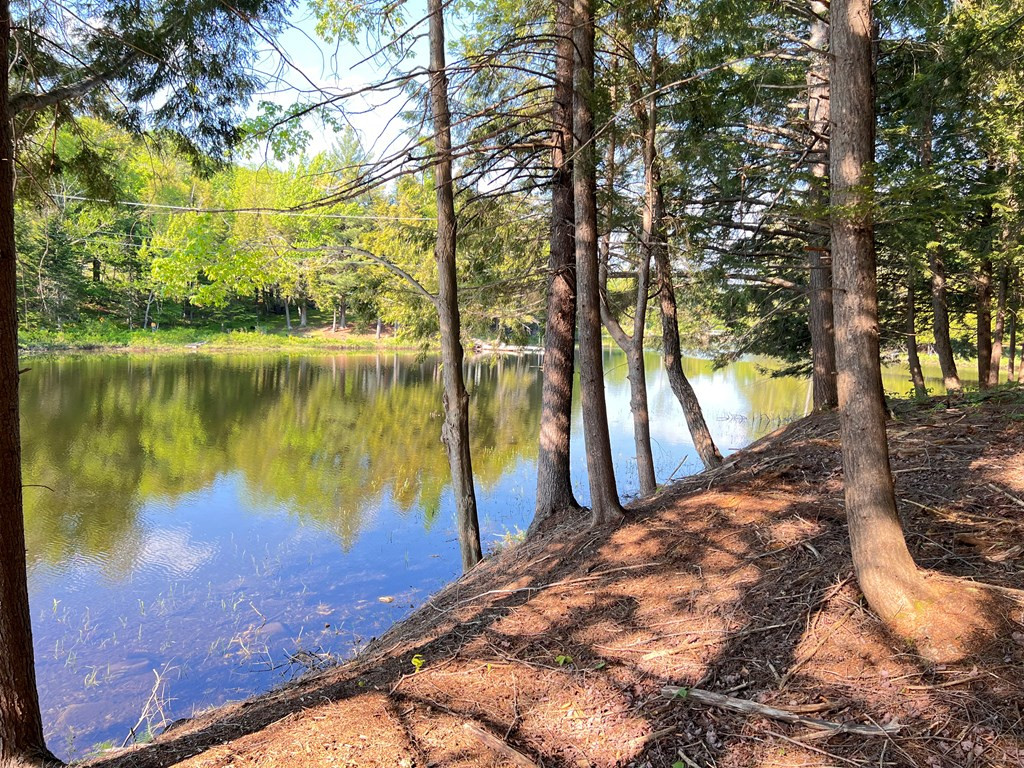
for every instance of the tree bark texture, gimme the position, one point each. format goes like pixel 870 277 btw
pixel 672 354
pixel 940 322
pixel 455 430
pixel 916 374
pixel 21 727
pixel 604 499
pixel 819 261
pixel 1000 327
pixel 984 313
pixel 554 484
pixel 633 344
pixel 937 267
pixel 885 570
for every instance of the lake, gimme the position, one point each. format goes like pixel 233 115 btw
pixel 202 527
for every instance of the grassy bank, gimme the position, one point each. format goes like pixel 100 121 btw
pixel 100 336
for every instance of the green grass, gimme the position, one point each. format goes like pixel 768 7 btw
pixel 100 335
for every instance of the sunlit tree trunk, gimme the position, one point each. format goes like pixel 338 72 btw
pixel 554 485
pixel 21 727
pixel 633 344
pixel 601 474
pixel 885 570
pixel 455 430
pixel 671 347
pixel 287 315
pixel 303 314
pixel 819 261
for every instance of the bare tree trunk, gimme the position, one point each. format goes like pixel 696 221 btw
pixel 997 333
pixel 455 430
pixel 603 492
pixel 21 727
pixel 380 327
pixel 822 324
pixel 936 265
pixel 940 322
pixel 984 314
pixel 1014 308
pixel 916 374
pixel 287 316
pixel 633 345
pixel 1013 347
pixel 303 314
pixel 885 570
pixel 554 485
pixel 344 313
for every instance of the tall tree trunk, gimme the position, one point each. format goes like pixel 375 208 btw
pixel 604 497
pixel 455 430
pixel 303 314
pixel 1013 347
pixel 1014 308
pixel 885 570
pixel 984 313
pixel 380 327
pixel 95 270
pixel 287 316
pixel 554 486
pixel 916 374
pixel 344 313
pixel 21 726
pixel 997 333
pixel 819 258
pixel 940 322
pixel 937 267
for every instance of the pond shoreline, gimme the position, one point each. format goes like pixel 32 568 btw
pixel 558 650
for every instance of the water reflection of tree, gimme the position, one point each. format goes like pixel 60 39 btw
pixel 325 437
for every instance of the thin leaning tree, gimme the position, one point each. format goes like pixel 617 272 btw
pixel 455 430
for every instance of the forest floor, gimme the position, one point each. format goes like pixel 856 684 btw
pixel 737 581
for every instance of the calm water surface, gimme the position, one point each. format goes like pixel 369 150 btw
pixel 201 528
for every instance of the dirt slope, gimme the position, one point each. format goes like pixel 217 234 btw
pixel 736 581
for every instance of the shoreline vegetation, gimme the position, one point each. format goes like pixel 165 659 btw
pixel 736 583
pixel 98 339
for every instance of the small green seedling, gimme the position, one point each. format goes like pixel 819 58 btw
pixel 563 659
pixel 418 662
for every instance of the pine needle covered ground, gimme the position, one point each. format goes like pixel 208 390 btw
pixel 737 581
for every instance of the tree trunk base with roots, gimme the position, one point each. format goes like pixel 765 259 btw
pixel 945 619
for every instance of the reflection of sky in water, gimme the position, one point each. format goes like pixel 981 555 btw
pixel 202 526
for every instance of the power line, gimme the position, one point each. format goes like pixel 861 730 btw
pixel 257 211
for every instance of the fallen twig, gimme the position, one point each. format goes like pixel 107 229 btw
pixel 746 706
pixel 491 741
